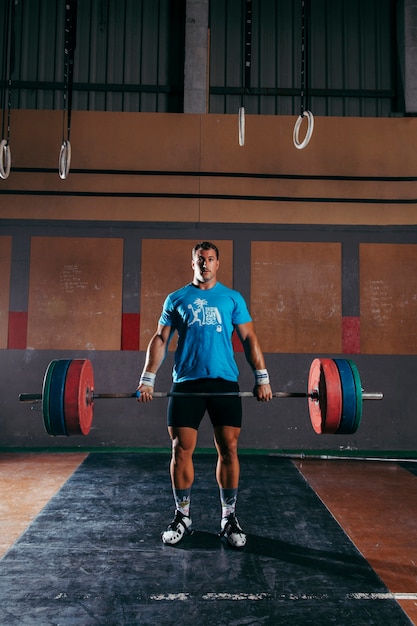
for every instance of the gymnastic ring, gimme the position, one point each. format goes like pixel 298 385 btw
pixel 64 159
pixel 310 118
pixel 241 126
pixel 5 159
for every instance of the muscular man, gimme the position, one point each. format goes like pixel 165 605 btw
pixel 204 313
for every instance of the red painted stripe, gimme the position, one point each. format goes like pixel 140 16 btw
pixel 351 335
pixel 18 330
pixel 130 331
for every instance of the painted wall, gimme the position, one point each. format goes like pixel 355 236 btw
pixel 322 242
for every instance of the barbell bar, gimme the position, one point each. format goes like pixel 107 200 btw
pixel 334 394
pixel 35 397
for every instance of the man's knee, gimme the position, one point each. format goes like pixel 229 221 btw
pixel 181 453
pixel 183 445
pixel 227 444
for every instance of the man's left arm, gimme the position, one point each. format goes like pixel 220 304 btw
pixel 256 360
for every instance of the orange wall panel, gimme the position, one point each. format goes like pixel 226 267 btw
pixel 191 152
pixel 388 293
pixel 296 296
pixel 345 146
pixel 107 140
pixel 75 293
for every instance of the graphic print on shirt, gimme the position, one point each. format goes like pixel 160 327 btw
pixel 204 315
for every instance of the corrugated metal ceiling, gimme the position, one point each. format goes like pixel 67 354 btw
pixel 130 56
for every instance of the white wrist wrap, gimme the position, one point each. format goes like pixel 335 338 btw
pixel 261 377
pixel 148 379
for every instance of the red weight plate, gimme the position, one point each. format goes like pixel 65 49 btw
pixel 325 407
pixel 78 397
pixel 334 396
pixel 314 404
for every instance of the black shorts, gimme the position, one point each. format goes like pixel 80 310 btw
pixel 189 411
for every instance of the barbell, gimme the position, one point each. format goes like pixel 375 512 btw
pixel 334 394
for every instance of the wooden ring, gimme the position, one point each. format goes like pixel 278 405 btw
pixel 5 159
pixel 241 126
pixel 296 134
pixel 64 159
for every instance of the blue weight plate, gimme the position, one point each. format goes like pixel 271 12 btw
pixel 358 386
pixel 347 423
pixel 56 398
pixel 45 396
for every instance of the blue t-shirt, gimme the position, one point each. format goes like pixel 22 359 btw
pixel 205 320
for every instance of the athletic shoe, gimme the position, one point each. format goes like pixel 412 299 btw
pixel 232 531
pixel 175 531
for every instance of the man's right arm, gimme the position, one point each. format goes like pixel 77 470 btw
pixel 155 355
